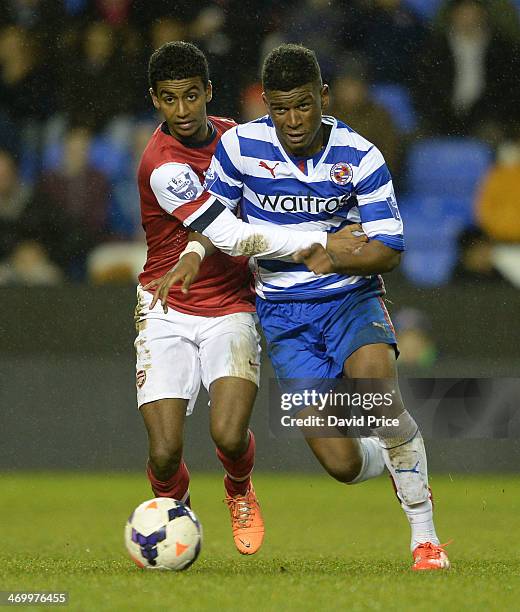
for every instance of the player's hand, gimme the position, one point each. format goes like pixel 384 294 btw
pixel 185 272
pixel 324 261
pixel 348 240
pixel 316 258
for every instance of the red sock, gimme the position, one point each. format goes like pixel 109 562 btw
pixel 238 471
pixel 175 487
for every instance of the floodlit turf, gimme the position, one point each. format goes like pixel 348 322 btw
pixel 327 547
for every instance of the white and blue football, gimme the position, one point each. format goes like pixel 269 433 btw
pixel 163 533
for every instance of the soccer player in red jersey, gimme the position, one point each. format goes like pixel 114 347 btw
pixel 210 333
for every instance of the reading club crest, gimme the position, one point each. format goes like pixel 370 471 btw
pixel 341 173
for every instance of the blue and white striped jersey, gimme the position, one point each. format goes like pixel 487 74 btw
pixel 347 182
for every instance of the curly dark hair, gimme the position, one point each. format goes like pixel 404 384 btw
pixel 177 60
pixel 289 66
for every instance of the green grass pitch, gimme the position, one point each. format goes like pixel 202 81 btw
pixel 327 546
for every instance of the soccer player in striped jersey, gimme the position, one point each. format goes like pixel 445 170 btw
pixel 209 334
pixel 324 316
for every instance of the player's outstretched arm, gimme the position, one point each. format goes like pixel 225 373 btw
pixel 373 257
pixel 180 193
pixel 234 237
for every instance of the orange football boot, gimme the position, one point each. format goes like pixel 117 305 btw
pixel 430 556
pixel 246 521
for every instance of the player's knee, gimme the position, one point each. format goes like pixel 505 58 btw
pixel 231 441
pixel 345 470
pixel 165 458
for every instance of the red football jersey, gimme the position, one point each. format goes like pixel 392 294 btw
pixel 224 284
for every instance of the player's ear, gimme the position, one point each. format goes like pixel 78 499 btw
pixel 325 97
pixel 209 91
pixel 155 99
pixel 265 100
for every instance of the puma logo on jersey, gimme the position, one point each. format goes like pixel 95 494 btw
pixel 264 164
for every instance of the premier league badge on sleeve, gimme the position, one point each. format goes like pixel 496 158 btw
pixel 183 186
pixel 341 173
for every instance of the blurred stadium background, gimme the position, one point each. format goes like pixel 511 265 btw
pixel 434 84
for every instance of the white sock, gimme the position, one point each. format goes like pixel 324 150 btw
pixel 405 458
pixel 412 484
pixel 420 517
pixel 373 460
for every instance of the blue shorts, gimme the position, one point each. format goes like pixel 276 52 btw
pixel 313 339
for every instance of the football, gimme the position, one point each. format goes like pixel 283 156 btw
pixel 163 533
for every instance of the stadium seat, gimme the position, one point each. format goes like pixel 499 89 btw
pixel 417 208
pixel 116 262
pixel 109 157
pixel 52 155
pixel 424 8
pixel 432 226
pixel 397 101
pixel 429 268
pixel 104 155
pixel 461 210
pixel 75 7
pixel 449 167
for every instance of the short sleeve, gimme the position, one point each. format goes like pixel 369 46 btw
pixel 179 190
pixel 376 201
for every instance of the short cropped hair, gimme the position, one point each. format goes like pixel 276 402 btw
pixel 289 66
pixel 175 61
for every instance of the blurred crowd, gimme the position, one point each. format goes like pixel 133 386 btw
pixel 75 113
